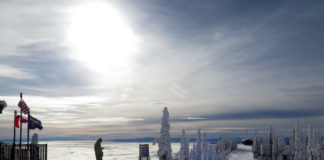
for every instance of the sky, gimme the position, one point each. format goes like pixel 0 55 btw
pixel 91 69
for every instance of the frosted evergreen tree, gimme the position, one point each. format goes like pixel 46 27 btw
pixel 205 148
pixel 165 151
pixel 264 147
pixel 198 146
pixel 233 143
pixel 318 146
pixel 313 145
pixel 256 148
pixel 299 144
pixel 192 152
pixel 269 152
pixel 222 149
pixel 322 150
pixel 212 153
pixel 297 149
pixel 184 148
pixel 292 145
pixel 310 143
pixel 282 148
pixel 275 147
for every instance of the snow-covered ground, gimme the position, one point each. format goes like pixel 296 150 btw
pixel 83 150
pixel 242 153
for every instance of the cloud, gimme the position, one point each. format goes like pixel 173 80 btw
pixel 262 114
pixel 15 73
pixel 308 90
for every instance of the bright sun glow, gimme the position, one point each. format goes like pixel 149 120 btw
pixel 101 39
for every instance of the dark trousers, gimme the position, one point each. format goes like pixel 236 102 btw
pixel 99 157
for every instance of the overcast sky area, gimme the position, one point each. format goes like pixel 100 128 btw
pixel 107 68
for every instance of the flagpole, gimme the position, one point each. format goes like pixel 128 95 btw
pixel 14 133
pixel 28 129
pixel 21 117
pixel 14 138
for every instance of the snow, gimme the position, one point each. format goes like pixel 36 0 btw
pixel 165 151
pixel 83 150
pixel 242 153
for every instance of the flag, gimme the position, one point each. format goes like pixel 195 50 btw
pixel 34 123
pixel 17 119
pixel 23 106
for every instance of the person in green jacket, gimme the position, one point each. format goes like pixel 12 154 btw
pixel 98 149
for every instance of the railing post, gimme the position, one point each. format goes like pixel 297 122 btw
pixel 1 155
pixel 30 148
pixel 45 151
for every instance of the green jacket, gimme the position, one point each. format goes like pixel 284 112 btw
pixel 98 149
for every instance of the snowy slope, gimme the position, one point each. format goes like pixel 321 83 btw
pixel 242 153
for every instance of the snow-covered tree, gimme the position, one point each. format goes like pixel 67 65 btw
pixel 282 148
pixel 299 144
pixel 256 148
pixel 234 143
pixel 204 148
pixel 184 148
pixel 318 146
pixel 212 154
pixel 223 148
pixel 192 152
pixel 296 150
pixel 267 145
pixel 269 152
pixel 165 151
pixel 264 147
pixel 198 146
pixel 275 147
pixel 310 143
pixel 292 145
pixel 313 145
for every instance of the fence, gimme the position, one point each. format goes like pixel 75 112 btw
pixel 23 152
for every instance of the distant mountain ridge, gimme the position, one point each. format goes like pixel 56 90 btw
pixel 46 139
pixel 151 140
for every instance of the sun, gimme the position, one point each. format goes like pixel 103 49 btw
pixel 100 38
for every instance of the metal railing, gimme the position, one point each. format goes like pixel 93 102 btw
pixel 23 152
